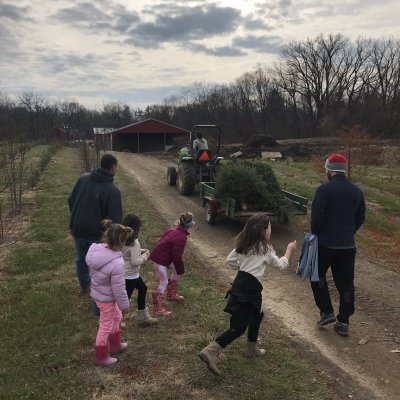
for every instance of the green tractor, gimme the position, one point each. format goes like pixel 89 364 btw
pixel 198 160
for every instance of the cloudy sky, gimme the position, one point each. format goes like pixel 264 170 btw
pixel 139 52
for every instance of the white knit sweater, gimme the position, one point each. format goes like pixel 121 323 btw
pixel 256 264
pixel 133 258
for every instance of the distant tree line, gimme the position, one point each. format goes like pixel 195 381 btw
pixel 33 115
pixel 318 86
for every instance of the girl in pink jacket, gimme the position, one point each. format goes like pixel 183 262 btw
pixel 167 256
pixel 106 264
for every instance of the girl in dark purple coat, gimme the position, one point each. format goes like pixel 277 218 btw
pixel 167 256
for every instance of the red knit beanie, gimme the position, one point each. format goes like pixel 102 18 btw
pixel 336 163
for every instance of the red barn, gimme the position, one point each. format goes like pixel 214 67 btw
pixel 148 135
pixel 56 135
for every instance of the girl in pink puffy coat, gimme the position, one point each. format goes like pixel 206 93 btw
pixel 106 264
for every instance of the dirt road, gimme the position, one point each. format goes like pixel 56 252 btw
pixel 361 366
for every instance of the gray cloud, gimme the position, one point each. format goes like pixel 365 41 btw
pixel 256 24
pixel 57 63
pixel 292 11
pixel 92 17
pixel 10 11
pixel 9 47
pixel 180 24
pixel 222 51
pixel 170 23
pixel 261 44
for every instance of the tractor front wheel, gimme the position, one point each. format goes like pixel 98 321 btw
pixel 186 178
pixel 171 176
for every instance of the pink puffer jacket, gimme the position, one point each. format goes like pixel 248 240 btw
pixel 107 274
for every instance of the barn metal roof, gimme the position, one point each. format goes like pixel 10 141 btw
pixel 102 131
pixel 151 125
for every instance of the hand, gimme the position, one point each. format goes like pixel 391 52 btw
pixel 125 312
pixel 144 251
pixel 147 252
pixel 292 246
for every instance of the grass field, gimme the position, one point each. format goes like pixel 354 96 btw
pixel 47 330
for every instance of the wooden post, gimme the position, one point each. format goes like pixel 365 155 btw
pixel 165 140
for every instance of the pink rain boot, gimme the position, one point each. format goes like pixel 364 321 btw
pixel 158 304
pixel 115 343
pixel 171 292
pixel 102 356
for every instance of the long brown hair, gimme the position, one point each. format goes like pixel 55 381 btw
pixel 252 237
pixel 132 221
pixel 115 235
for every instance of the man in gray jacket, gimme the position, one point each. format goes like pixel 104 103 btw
pixel 94 197
pixel 199 143
pixel 337 212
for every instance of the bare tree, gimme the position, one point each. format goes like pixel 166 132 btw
pixel 34 106
pixel 244 99
pixel 317 67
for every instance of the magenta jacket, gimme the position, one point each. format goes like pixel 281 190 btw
pixel 169 248
pixel 107 272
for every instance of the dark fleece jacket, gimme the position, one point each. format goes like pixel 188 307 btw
pixel 94 198
pixel 337 212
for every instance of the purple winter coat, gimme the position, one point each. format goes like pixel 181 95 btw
pixel 107 275
pixel 169 248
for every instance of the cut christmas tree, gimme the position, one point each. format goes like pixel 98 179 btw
pixel 254 187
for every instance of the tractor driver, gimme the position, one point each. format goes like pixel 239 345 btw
pixel 199 143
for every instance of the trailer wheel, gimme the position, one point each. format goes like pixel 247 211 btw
pixel 210 216
pixel 186 178
pixel 171 176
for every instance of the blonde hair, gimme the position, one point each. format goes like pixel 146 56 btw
pixel 115 235
pixel 185 218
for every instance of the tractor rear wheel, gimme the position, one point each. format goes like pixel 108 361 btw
pixel 186 178
pixel 171 176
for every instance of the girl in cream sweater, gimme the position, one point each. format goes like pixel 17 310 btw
pixel 134 257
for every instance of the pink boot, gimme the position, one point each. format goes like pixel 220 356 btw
pixel 115 343
pixel 158 304
pixel 171 292
pixel 102 356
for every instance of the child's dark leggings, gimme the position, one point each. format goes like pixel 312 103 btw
pixel 138 284
pixel 238 324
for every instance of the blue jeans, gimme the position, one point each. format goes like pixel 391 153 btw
pixel 82 269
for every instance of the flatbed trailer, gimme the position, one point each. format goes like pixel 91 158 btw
pixel 216 207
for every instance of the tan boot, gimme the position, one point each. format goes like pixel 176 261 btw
pixel 253 351
pixel 210 355
pixel 144 318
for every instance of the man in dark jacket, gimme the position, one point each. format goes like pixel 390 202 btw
pixel 93 198
pixel 337 212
